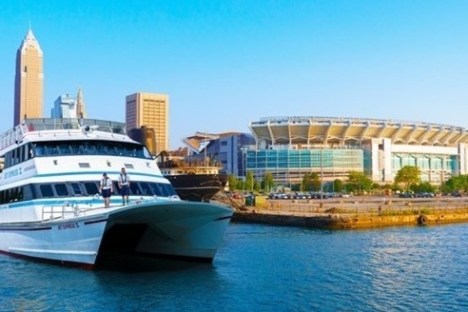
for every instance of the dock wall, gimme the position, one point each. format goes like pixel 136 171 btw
pixel 356 213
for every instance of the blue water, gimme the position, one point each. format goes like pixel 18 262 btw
pixel 267 268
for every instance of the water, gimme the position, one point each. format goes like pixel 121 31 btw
pixel 267 268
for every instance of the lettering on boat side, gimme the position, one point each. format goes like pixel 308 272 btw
pixel 13 173
pixel 68 226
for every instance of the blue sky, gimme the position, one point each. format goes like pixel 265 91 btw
pixel 227 63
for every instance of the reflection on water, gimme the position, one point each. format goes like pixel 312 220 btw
pixel 266 268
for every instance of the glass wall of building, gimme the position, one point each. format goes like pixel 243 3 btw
pixel 434 168
pixel 289 166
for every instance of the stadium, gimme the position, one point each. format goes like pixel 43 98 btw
pixel 289 147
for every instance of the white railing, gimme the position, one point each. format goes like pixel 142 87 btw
pixel 59 211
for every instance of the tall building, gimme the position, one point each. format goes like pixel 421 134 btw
pixel 151 111
pixel 80 105
pixel 66 106
pixel 29 80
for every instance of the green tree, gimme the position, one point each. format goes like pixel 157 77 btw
pixel 358 182
pixel 232 182
pixel 306 183
pixel 268 182
pixel 256 186
pixel 456 184
pixel 338 185
pixel 316 181
pixel 240 184
pixel 311 182
pixel 423 187
pixel 249 181
pixel 408 175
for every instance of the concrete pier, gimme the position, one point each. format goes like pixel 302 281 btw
pixel 360 213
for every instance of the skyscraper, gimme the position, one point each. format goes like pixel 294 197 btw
pixel 149 112
pixel 29 80
pixel 66 106
pixel 80 105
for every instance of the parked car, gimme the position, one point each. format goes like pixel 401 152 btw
pixel 406 195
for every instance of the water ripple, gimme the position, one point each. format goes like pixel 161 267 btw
pixel 268 268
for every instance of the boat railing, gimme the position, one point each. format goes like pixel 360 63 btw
pixel 43 124
pixel 53 212
pixel 15 135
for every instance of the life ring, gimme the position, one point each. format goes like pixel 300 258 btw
pixel 422 220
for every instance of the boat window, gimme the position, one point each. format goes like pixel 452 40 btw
pixel 76 189
pixel 168 190
pixel 64 148
pixel 38 150
pixel 14 156
pixel 74 148
pixel 8 161
pixel 112 150
pixel 32 191
pixel 51 150
pixel 134 190
pixel 46 190
pixel 28 192
pixel 146 189
pixel 128 151
pixel 101 148
pixel 15 194
pixel 116 187
pixel 19 194
pixel 156 189
pixel 91 188
pixel 21 153
pixel 89 148
pixel 164 190
pixel 61 189
pixel 7 196
pixel 26 152
pixel 146 153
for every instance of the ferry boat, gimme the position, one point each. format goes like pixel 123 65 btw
pixel 51 208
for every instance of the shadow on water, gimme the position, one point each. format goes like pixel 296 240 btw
pixel 139 264
pixel 140 284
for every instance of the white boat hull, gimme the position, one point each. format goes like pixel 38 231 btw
pixel 151 228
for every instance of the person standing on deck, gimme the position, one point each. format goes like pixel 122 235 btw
pixel 106 189
pixel 124 185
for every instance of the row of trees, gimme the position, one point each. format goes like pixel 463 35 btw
pixel 407 179
pixel 410 177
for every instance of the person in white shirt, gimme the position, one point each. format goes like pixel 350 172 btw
pixel 106 189
pixel 124 185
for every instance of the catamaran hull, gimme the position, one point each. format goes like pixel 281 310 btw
pixel 71 241
pixel 155 229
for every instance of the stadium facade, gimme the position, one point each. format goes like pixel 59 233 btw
pixel 289 147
